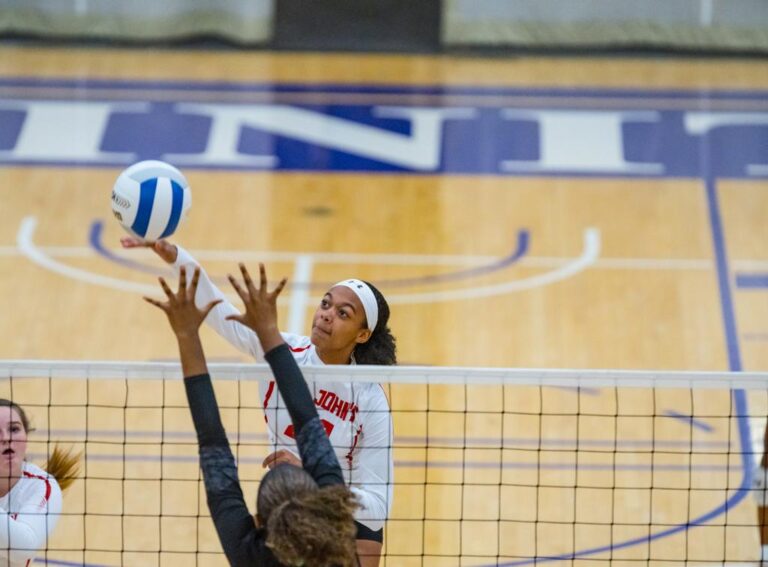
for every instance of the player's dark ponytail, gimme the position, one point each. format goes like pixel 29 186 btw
pixel 380 348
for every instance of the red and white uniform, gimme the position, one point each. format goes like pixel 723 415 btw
pixel 356 416
pixel 28 514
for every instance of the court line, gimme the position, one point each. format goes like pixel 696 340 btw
pixel 301 279
pixel 590 253
pixel 689 419
pixel 68 563
pixel 739 401
pixel 432 464
pixel 86 252
pixel 314 94
pixel 400 441
pixel 27 247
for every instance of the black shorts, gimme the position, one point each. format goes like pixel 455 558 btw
pixel 364 532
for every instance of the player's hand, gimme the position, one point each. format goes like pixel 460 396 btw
pixel 281 457
pixel 260 306
pixel 183 315
pixel 167 251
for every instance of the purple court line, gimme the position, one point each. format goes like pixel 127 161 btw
pixel 401 441
pixel 81 87
pixel 409 464
pixel 690 420
pixel 521 249
pixel 752 281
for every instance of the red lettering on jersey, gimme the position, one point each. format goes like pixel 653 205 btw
pixel 270 389
pixel 328 401
pixel 337 406
pixel 344 410
pixel 332 403
pixel 353 409
pixel 299 348
pixel 291 432
pixel 354 444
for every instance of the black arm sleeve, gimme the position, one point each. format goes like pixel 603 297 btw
pixel 242 542
pixel 292 386
pixel 317 455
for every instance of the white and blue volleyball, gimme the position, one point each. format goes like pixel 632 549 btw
pixel 151 199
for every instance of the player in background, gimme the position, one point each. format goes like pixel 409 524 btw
pixel 348 327
pixel 30 497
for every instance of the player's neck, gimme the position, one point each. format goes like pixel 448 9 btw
pixel 343 356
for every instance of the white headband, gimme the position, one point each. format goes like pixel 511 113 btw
pixel 366 297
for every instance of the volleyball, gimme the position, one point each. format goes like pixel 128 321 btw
pixel 150 199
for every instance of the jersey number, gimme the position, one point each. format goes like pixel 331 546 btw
pixel 289 431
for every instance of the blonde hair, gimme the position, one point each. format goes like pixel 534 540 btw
pixel 63 465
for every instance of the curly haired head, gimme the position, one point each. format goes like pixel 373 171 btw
pixel 306 525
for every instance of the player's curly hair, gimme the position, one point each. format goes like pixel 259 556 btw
pixel 307 525
pixel 63 464
pixel 380 348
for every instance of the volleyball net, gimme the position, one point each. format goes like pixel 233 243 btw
pixel 492 466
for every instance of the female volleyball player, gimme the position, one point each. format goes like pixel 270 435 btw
pixel 30 497
pixel 348 327
pixel 303 516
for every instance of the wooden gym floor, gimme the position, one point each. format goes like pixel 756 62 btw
pixel 617 271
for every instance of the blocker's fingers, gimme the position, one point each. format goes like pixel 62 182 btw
pixel 154 302
pixel 247 279
pixel 280 287
pixel 240 291
pixel 211 305
pixel 240 318
pixel 182 279
pixel 262 276
pixel 166 289
pixel 195 280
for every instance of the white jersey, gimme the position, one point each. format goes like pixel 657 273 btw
pixel 355 416
pixel 28 514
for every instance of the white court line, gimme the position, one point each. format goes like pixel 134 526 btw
pixel 402 259
pixel 590 253
pixel 27 248
pixel 302 272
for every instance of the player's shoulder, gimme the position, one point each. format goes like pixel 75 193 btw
pixel 296 341
pixel 39 480
pixel 32 471
pixel 301 347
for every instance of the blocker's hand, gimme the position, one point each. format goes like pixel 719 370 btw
pixel 281 457
pixel 260 304
pixel 183 315
pixel 166 250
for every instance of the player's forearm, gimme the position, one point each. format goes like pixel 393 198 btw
pixel 239 336
pixel 192 354
pixel 19 538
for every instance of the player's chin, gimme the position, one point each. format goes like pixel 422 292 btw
pixel 318 337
